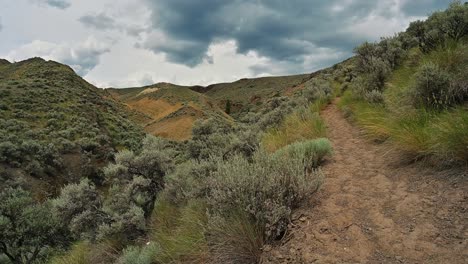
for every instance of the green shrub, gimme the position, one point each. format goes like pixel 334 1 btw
pixel 125 219
pixel 209 126
pixel 267 188
pixel 242 140
pixel 432 87
pixel 143 172
pixel 312 152
pixel 374 97
pixel 317 89
pixel 376 75
pixel 273 117
pixel 189 181
pixel 139 255
pixel 392 51
pixel 27 228
pixel 441 26
pixel 79 206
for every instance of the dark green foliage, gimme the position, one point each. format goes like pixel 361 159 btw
pixel 27 228
pixel 450 24
pixel 228 107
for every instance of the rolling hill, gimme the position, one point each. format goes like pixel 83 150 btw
pixel 168 110
pixel 55 127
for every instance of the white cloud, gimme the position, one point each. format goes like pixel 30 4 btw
pixel 82 57
pixel 322 34
pixel 60 4
pixel 222 63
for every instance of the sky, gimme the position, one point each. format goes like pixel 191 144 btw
pixel 127 43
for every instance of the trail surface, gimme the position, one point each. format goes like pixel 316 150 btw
pixel 374 208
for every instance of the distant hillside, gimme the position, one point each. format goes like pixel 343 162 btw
pixel 253 90
pixel 55 127
pixel 168 110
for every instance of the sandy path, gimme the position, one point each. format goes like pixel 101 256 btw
pixel 373 208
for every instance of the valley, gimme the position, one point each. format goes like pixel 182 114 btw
pixel 363 161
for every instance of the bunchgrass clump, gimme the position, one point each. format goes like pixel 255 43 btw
pixel 179 230
pixel 79 254
pixel 235 239
pixel 302 124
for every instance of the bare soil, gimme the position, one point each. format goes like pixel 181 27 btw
pixel 377 207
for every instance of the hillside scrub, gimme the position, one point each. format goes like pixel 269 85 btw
pixel 440 27
pixel 176 195
pixel 249 203
pixel 57 127
pixel 422 103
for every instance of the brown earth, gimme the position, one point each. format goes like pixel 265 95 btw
pixel 376 208
pixel 177 128
pixel 156 109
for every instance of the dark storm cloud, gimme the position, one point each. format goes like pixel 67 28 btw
pixel 100 21
pixel 60 4
pixel 278 29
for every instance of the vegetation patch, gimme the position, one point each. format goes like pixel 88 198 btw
pixel 423 101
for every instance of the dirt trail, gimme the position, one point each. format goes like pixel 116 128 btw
pixel 374 208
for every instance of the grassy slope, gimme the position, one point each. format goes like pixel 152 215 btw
pixel 46 105
pixel 420 132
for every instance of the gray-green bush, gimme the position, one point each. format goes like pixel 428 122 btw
pixel 27 228
pixel 143 172
pixel 80 207
pixel 139 255
pixel 432 87
pixel 267 188
pixel 189 181
pixel 312 152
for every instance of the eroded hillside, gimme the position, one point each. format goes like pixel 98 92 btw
pixel 168 110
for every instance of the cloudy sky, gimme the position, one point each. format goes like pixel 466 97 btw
pixel 123 43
